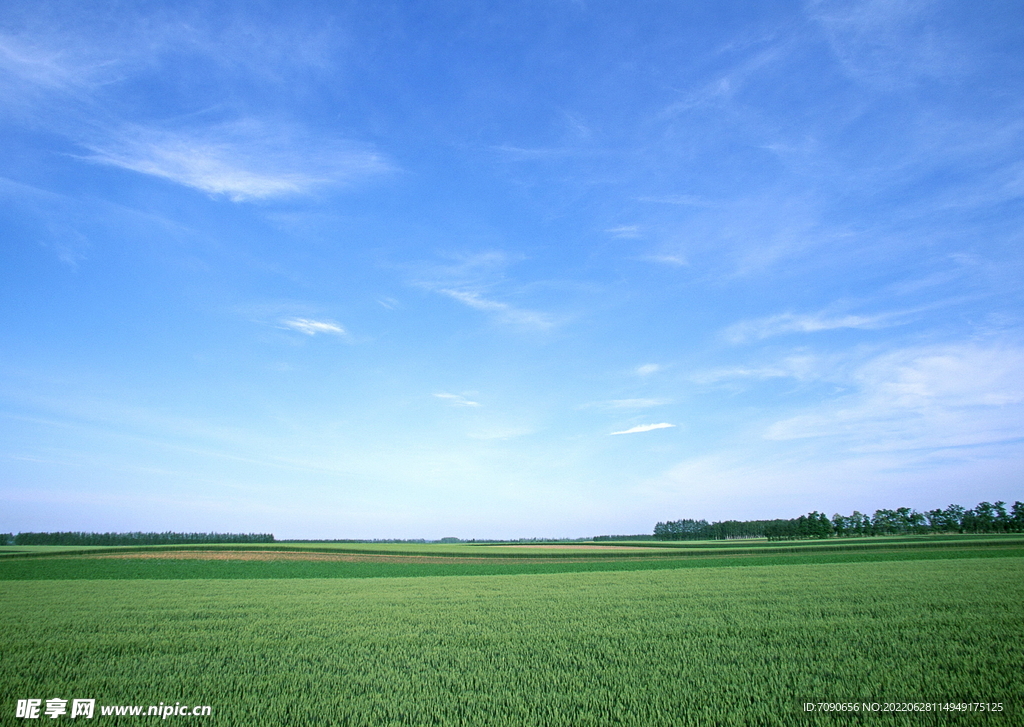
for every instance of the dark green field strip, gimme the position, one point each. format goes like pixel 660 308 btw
pixel 706 549
pixel 169 569
pixel 425 552
pixel 656 550
pixel 741 543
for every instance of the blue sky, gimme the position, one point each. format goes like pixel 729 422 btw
pixel 481 269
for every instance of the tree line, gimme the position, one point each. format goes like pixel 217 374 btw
pixel 703 530
pixel 986 517
pixel 78 538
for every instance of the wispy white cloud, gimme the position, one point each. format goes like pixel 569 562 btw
pixel 38 64
pixel 783 323
pixel 889 44
pixel 636 403
pixel 499 433
pixel 93 47
pixel 473 300
pixel 476 280
pixel 466 268
pixel 67 243
pixel 244 160
pixel 645 428
pixel 625 404
pixel 920 426
pixel 798 366
pixel 625 231
pixel 457 399
pixel 750 483
pixel 722 87
pixel 667 259
pixel 920 398
pixel 744 236
pixel 506 312
pixel 64 76
pixel 517 153
pixel 312 327
pixel 687 200
pixel 648 369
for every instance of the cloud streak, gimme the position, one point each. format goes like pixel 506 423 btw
pixel 628 232
pixel 644 428
pixel 960 395
pixel 636 403
pixel 472 279
pixel 888 44
pixel 33 64
pixel 311 327
pixel 245 160
pixel 457 399
pixel 648 369
pixel 504 311
pixel 64 80
pixel 799 367
pixel 784 323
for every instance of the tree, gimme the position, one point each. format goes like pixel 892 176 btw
pixel 824 529
pixel 937 522
pixel 682 530
pixel 1002 518
pixel 955 518
pixel 884 522
pixel 1017 517
pixel 985 517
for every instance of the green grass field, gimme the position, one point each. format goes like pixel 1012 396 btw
pixel 694 640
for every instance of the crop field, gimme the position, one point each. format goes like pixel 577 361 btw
pixel 494 635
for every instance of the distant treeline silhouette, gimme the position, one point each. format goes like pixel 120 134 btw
pixel 987 517
pixel 70 538
pixel 703 530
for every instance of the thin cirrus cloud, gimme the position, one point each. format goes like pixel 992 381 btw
pixel 469 280
pixel 244 160
pixel 505 312
pixel 498 433
pixel 880 43
pixel 312 327
pixel 802 367
pixel 636 403
pixel 33 64
pixel 648 369
pixel 784 323
pixel 919 399
pixel 62 78
pixel 457 399
pixel 668 259
pixel 688 200
pixel 645 428
pixel 625 231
